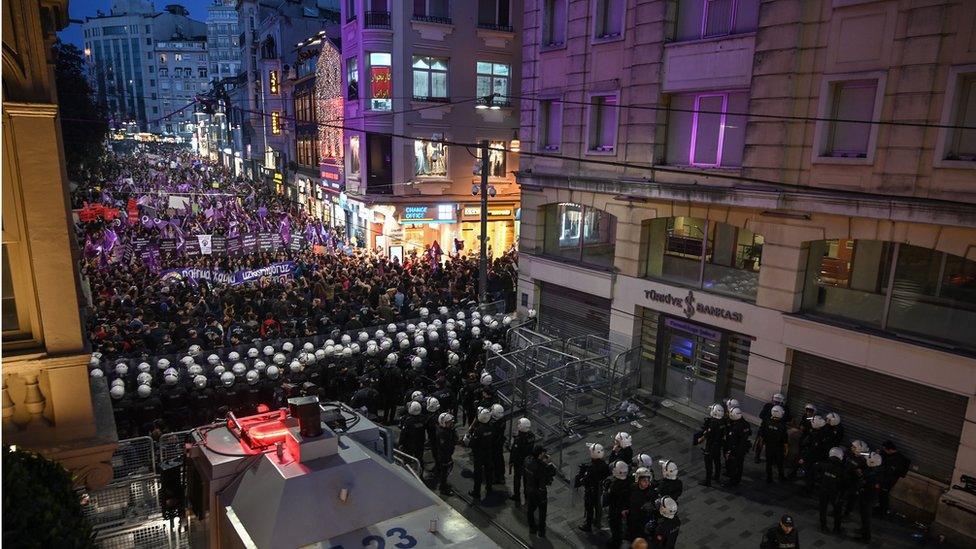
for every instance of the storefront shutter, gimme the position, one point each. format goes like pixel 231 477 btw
pixel 564 312
pixel 924 423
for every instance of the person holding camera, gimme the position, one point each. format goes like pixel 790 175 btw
pixel 539 472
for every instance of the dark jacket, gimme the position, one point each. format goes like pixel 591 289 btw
pixel 665 533
pixel 591 476
pixel 776 538
pixel 444 444
pixel 522 444
pixel 538 477
pixel 833 477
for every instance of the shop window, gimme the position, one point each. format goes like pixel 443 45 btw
pixel 554 23
pixel 380 82
pixel 493 78
pixel 580 233
pixel 716 257
pixel 430 158
pixel 496 159
pixel 702 132
pixel 550 124
pixel 609 20
pixel 897 288
pixel 352 78
pixel 429 78
pixel 603 123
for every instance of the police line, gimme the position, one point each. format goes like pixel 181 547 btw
pixel 279 271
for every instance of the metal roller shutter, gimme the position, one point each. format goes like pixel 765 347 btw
pixel 564 312
pixel 925 423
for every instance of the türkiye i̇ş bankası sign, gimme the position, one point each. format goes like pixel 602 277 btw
pixel 690 306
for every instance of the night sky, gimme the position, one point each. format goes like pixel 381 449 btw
pixel 79 9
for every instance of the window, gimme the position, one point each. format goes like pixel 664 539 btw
pixel 494 14
pixel 148 29
pixel 163 73
pixel 699 19
pixel 429 78
pixel 894 287
pixel 177 57
pixel 350 10
pixel 609 19
pixel 162 58
pixel 493 79
pixel 354 156
pixel 701 132
pixel 202 72
pixel 379 149
pixel 959 110
pixel 433 11
pixel 19 317
pixel 579 233
pixel 716 257
pixel 275 123
pixel 352 78
pixel 152 84
pixel 550 124
pixel 380 82
pixel 155 110
pixel 149 41
pixel 845 101
pixel 603 123
pixel 430 158
pixel 496 159
pixel 152 69
pixel 554 23
pixel 445 212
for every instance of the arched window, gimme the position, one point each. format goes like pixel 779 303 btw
pixel 898 288
pixel 580 233
pixel 713 256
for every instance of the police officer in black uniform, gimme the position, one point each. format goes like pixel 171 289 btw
pixel 443 450
pixel 617 499
pixel 666 525
pixel 412 430
pixel 522 444
pixel 832 479
pixel 710 439
pixel 764 416
pixel 591 477
pixel 775 439
pixel 479 440
pixel 638 514
pixel 736 446
pixel 539 472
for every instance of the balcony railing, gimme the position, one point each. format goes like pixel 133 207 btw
pixel 495 27
pixel 378 20
pixel 432 19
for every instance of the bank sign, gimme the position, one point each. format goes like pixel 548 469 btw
pixel 690 306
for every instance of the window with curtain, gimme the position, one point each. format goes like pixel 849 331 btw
pixel 429 78
pixel 493 78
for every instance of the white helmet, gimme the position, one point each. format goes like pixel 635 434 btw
pixel 328 343
pixel 623 439
pixel 416 362
pixel 233 356
pixel 346 352
pixel 643 472
pixel 874 459
pixel 319 354
pixel 436 324
pixel 162 364
pixel 404 343
pixel 238 369
pixel 354 348
pixel 422 326
pixel 121 369
pixel 486 344
pixel 421 352
pixel 778 398
pixel 442 310
pixel 596 451
pixel 145 378
pixel 810 408
pixel 219 370
pixel 252 352
pixel 371 350
pixel 460 315
pixel 308 347
pixel 213 359
pixel 424 312
pixel 524 425
pixel 391 328
pixel 227 379
pixel 836 452
pixel 731 403
pixel 118 383
pixel 363 337
pixel 475 332
pixel 380 334
pixel 452 358
pixel 433 336
pixel 195 350
pixel 669 470
pixel 411 328
pixel 268 350
pixel 345 339
pixel 476 323
pixel 171 378
pixel 475 315
pixel 288 347
pixel 497 411
pixel 454 344
pixel 97 372
pixel 817 422
pixel 496 348
pixel 272 372
pixel 451 334
pixel 776 412
pixel 859 447
pixel 418 341
pixel 200 381
pixel 252 377
pixel 445 420
pixel 486 379
pixel 117 392
pixel 433 405
pixel 716 411
pixel 416 396
pixel 391 358
pixel 735 414
pixel 385 344
pixel 295 367
pixel 668 508
pixel 337 350
pixel 531 313
pixel 643 460
pixel 279 358
pixel 414 408
pixel 94 360
pixel 484 415
pixel 833 419
pixel 144 391
pixel 186 361
pixel 329 350
pixel 260 365
pixel 620 470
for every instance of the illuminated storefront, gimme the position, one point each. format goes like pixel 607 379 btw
pixel 502 227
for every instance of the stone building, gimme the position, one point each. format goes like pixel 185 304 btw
pixel 766 196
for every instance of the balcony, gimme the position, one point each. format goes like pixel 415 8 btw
pixel 420 18
pixel 377 20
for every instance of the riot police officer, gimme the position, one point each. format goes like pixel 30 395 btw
pixel 412 429
pixel 497 443
pixel 618 499
pixel 710 439
pixel 774 442
pixel 832 479
pixel 764 416
pixel 539 472
pixel 812 450
pixel 591 476
pixel 664 534
pixel 201 400
pixel 869 493
pixel 735 446
pixel 443 450
pixel 640 496
pixel 479 439
pixel 669 485
pixel 522 444
pixel 622 449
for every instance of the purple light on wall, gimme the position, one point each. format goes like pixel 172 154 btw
pixel 721 130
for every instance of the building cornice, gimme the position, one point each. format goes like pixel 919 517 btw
pixel 36 110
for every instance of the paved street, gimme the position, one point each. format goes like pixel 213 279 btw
pixel 712 518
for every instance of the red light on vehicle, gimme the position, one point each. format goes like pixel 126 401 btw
pixel 266 434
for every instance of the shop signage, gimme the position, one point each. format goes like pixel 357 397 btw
pixel 693 329
pixel 691 307
pixel 415 213
pixel 472 212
